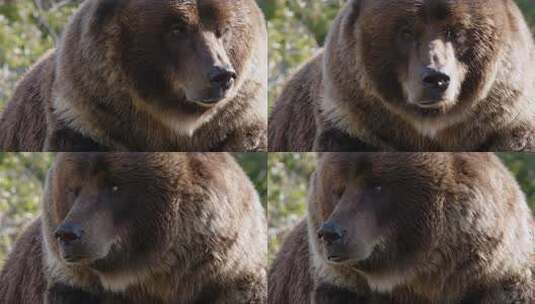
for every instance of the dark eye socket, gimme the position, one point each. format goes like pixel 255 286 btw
pixel 406 33
pixel 178 29
pixel 376 187
pixel 338 191
pixel 223 31
pixel 456 33
pixel 451 34
pixel 114 188
pixel 75 191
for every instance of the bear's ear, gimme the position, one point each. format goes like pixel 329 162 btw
pixel 105 10
pixel 354 7
pixel 352 12
pixel 355 3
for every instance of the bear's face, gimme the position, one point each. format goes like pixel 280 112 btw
pixel 428 58
pixel 191 52
pixel 376 211
pixel 105 211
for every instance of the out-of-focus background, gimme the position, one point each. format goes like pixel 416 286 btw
pixel 288 176
pixel 28 28
pixel 22 176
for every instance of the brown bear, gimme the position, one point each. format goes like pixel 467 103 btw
pixel 157 228
pixel 428 228
pixel 141 75
pixel 407 75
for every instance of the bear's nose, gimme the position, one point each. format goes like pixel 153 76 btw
pixel 68 233
pixel 330 232
pixel 436 80
pixel 222 77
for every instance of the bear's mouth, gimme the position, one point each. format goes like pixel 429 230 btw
pixel 336 259
pixel 210 101
pixel 212 96
pixel 431 104
pixel 336 254
pixel 76 260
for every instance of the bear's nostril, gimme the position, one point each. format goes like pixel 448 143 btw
pixel 330 232
pixel 222 77
pixel 437 80
pixel 66 236
pixel 68 233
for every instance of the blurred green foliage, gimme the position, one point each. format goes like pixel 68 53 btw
pixel 296 30
pixel 21 181
pixel 523 167
pixel 288 175
pixel 28 28
pixel 255 165
pixel 528 8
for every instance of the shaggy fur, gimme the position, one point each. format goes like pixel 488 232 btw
pixel 133 76
pixel 430 228
pixel 357 94
pixel 157 228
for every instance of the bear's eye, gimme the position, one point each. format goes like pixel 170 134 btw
pixel 74 191
pixel 178 29
pixel 338 192
pixel 221 32
pixel 407 34
pixel 452 34
pixel 376 188
pixel 458 36
pixel 114 188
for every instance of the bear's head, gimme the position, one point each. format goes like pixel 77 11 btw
pixel 375 212
pixel 185 56
pixel 417 218
pixel 112 212
pixel 121 219
pixel 422 59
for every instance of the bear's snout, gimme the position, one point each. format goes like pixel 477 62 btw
pixel 222 77
pixel 331 233
pixel 68 233
pixel 435 82
pixel 333 237
pixel 70 238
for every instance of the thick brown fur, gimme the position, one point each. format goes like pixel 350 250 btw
pixel 157 228
pixel 431 228
pixel 26 254
pixel 351 97
pixel 130 75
